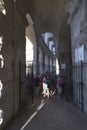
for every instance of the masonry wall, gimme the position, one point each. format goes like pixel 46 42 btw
pixel 79 39
pixel 12 28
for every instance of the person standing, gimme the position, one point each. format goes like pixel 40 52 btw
pixel 36 86
pixel 59 85
pixel 45 88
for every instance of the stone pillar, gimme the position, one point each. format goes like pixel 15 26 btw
pixel 54 64
pixel 43 62
pixel 37 58
pixel 51 65
pixel 34 60
pixel 48 63
pixel 40 61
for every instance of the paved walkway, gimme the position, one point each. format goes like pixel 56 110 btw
pixel 50 114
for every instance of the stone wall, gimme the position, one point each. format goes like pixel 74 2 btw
pixel 78 25
pixel 12 29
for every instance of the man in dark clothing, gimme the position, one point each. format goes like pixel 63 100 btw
pixel 36 85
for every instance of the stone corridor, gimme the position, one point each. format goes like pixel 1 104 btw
pixel 49 114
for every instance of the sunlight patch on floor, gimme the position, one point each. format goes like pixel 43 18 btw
pixel 33 115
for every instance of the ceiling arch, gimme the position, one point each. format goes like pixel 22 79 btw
pixel 46 14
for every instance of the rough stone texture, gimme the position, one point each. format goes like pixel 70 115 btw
pixel 78 38
pixel 12 28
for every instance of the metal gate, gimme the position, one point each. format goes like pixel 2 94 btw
pixel 21 83
pixel 80 85
pixel 68 83
pixel 76 84
pixel 29 80
pixel 26 89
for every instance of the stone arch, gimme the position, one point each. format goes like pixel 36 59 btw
pixel 31 36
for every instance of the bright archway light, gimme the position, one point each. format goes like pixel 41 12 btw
pixel 29 50
pixel 2 8
pixel 57 67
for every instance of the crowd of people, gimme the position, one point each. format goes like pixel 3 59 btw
pixel 45 85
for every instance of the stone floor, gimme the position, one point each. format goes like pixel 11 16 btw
pixel 50 114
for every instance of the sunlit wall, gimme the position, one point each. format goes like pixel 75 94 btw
pixel 29 50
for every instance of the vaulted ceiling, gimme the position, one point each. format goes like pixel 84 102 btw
pixel 46 14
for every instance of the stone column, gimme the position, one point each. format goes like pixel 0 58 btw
pixel 51 64
pixel 40 61
pixel 34 59
pixel 43 62
pixel 48 63
pixel 37 58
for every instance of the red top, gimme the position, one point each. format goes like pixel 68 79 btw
pixel 60 82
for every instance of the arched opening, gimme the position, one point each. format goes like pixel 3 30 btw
pixel 30 56
pixel 31 44
pixel 50 58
